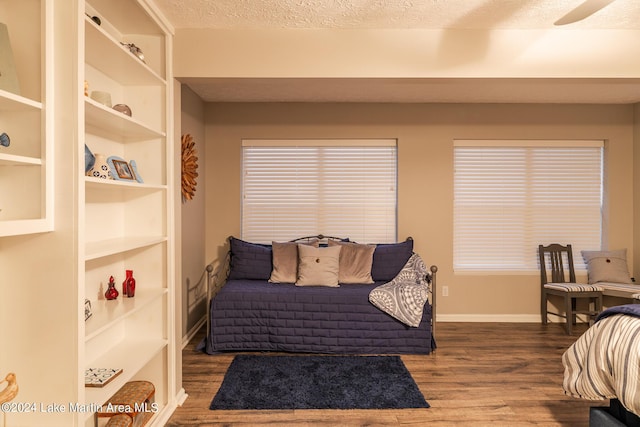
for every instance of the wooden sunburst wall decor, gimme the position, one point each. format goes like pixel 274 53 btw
pixel 189 167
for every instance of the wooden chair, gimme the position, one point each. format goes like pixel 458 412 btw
pixel 558 261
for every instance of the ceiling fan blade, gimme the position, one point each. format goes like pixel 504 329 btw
pixel 586 9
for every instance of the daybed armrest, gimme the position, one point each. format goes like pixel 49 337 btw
pixel 431 279
pixel 216 278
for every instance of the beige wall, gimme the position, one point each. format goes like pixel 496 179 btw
pixel 425 190
pixel 193 216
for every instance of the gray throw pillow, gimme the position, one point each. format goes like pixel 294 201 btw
pixel 285 261
pixel 607 266
pixel 318 266
pixel 355 262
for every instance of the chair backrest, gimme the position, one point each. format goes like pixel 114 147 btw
pixel 558 261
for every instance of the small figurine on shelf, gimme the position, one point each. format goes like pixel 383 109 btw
pixel 135 50
pixel 129 285
pixel 5 141
pixel 87 309
pixel 112 292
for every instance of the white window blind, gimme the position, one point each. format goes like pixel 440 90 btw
pixel 295 188
pixel 511 196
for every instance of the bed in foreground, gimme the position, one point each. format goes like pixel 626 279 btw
pixel 604 363
pixel 257 309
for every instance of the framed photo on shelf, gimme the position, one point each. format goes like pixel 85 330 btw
pixel 121 170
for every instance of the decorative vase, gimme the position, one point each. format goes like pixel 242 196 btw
pixel 112 292
pixel 102 97
pixel 5 141
pixel 100 168
pixel 89 159
pixel 129 285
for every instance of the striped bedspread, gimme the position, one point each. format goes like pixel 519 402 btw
pixel 604 363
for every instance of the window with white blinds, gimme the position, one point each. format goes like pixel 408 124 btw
pixel 342 188
pixel 511 196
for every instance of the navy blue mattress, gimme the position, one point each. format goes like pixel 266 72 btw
pixel 255 315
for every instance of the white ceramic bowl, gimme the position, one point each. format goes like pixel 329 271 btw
pixel 103 98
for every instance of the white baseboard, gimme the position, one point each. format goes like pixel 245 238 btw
pixel 490 318
pixel 163 416
pixel 500 318
pixel 181 397
pixel 191 333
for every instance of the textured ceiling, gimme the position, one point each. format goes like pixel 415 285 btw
pixel 405 14
pixel 400 14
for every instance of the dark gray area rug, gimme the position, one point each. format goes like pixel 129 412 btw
pixel 318 382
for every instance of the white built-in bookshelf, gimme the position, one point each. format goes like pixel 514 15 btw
pixel 62 233
pixel 126 224
pixel 26 198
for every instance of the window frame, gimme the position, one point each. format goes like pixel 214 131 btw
pixel 334 176
pixel 525 259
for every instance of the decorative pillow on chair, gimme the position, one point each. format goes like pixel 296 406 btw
pixel 355 262
pixel 318 266
pixel 249 260
pixel 285 261
pixel 607 266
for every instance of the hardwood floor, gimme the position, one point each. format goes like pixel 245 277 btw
pixel 482 374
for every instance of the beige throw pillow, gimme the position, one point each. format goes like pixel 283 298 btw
pixel 355 262
pixel 285 261
pixel 607 266
pixel 318 266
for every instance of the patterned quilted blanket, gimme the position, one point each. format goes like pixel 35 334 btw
pixel 604 363
pixel 404 297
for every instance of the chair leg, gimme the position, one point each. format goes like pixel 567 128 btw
pixel 543 307
pixel 598 307
pixel 569 313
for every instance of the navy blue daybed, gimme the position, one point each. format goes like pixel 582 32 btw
pixel 248 313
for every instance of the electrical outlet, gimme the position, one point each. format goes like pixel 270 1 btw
pixel 445 291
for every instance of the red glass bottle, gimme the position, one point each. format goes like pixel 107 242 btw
pixel 111 292
pixel 129 285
